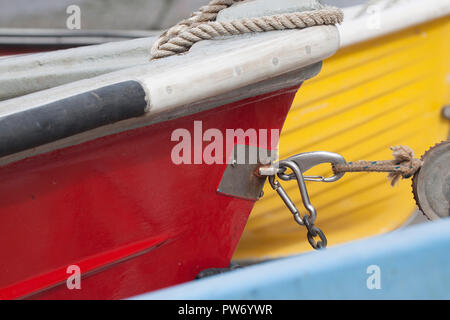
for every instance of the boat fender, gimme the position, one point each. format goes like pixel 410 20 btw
pixel 73 115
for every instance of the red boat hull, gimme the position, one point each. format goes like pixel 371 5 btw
pixel 121 210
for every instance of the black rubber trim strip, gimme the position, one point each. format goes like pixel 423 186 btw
pixel 67 117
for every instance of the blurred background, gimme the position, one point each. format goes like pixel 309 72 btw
pixel 105 14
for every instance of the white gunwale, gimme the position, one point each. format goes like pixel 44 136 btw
pixel 211 68
pixel 402 15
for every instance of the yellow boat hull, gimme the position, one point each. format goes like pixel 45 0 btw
pixel 370 96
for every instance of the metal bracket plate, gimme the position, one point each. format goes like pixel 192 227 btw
pixel 240 179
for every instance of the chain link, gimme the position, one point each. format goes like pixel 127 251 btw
pixel 313 232
pixel 307 220
pixel 299 164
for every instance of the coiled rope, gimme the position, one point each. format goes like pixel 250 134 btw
pixel 203 26
pixel 403 166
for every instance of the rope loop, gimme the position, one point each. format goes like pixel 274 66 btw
pixel 202 25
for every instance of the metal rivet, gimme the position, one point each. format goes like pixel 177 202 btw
pixel 275 61
pixel 169 90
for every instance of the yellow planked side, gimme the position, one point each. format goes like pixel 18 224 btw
pixel 371 96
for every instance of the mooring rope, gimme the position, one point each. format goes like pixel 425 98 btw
pixel 203 26
pixel 404 165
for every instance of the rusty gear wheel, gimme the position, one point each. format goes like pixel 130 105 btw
pixel 431 184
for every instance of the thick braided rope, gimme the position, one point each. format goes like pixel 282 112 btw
pixel 183 36
pixel 404 165
pixel 204 14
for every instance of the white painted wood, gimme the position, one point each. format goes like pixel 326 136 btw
pixel 250 58
pixel 400 15
pixel 210 69
pixel 30 73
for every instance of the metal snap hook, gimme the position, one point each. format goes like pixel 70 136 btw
pixel 300 164
pixel 303 193
pixel 309 160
